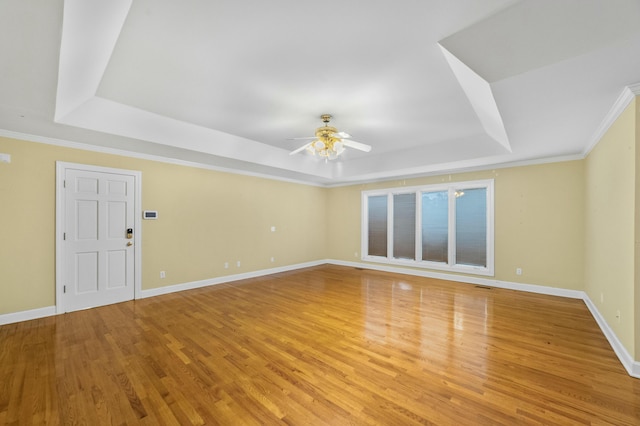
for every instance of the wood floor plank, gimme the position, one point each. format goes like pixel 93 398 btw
pixel 323 345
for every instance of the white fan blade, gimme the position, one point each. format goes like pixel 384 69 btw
pixel 306 138
pixel 341 135
pixel 356 145
pixel 302 148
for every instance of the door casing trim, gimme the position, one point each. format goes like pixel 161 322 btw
pixel 61 167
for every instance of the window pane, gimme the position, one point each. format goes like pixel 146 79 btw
pixel 377 225
pixel 404 226
pixel 471 227
pixel 435 225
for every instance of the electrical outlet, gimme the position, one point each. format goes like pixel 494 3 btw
pixel 163 274
pixel 273 259
pixel 518 271
pixel 238 263
pixel 355 254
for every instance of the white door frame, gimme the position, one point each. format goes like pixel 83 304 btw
pixel 61 168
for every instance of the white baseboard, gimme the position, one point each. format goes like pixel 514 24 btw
pixel 48 311
pixel 226 279
pixel 632 366
pixel 531 288
pixel 27 315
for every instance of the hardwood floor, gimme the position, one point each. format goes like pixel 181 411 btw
pixel 327 345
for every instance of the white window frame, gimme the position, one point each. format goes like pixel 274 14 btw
pixel 451 265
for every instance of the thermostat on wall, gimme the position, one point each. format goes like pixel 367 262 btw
pixel 150 214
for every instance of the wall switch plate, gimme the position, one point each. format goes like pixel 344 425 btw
pixel 5 158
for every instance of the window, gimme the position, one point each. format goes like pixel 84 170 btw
pixel 435 226
pixel 377 228
pixel 447 227
pixel 404 226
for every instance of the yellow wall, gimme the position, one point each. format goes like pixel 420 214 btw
pixel 610 185
pixel 572 225
pixel 538 221
pixel 206 218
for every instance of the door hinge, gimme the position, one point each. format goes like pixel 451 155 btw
pixel 64 288
pixel 64 183
pixel 64 235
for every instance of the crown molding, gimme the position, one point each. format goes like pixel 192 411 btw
pixel 626 97
pixel 462 169
pixel 27 137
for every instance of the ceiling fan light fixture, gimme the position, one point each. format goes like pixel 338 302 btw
pixel 328 142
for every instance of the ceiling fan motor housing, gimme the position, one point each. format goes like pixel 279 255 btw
pixel 325 138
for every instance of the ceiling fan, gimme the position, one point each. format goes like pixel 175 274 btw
pixel 328 142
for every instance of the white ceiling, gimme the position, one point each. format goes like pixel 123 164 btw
pixel 431 85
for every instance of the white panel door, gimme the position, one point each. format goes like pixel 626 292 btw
pixel 99 254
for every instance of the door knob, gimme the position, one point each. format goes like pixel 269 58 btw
pixel 129 244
